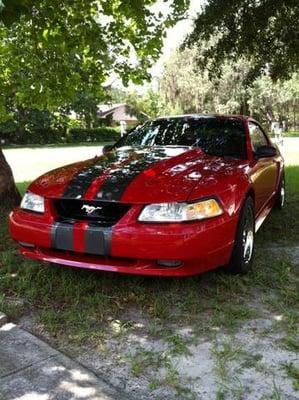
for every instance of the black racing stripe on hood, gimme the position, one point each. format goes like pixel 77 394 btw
pixel 118 181
pixel 80 183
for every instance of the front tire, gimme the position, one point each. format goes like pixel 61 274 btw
pixel 241 258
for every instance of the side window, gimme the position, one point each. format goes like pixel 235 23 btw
pixel 257 136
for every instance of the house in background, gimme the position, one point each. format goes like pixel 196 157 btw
pixel 121 114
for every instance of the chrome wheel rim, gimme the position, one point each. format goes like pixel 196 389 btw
pixel 282 195
pixel 248 237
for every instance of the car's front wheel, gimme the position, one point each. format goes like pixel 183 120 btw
pixel 241 258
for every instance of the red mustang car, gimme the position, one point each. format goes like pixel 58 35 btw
pixel 175 196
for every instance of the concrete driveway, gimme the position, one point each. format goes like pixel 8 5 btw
pixel 29 163
pixel 31 369
pixel 290 150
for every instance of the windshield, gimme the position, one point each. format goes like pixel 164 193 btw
pixel 215 136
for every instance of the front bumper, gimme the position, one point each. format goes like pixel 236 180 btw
pixel 130 246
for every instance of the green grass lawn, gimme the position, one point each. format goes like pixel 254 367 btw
pixel 287 134
pixel 291 134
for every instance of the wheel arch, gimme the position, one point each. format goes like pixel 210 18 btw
pixel 249 193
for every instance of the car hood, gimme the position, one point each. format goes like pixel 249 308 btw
pixel 147 175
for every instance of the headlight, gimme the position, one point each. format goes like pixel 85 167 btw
pixel 33 202
pixel 179 212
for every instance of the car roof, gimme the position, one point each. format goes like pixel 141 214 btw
pixel 224 116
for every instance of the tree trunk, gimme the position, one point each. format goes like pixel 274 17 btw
pixel 9 194
pixel 244 107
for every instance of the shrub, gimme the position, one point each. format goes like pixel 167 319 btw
pixel 101 134
pixel 40 136
pixel 10 135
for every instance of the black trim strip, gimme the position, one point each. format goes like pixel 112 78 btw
pixel 98 240
pixel 62 236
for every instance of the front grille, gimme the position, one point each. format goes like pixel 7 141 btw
pixel 95 212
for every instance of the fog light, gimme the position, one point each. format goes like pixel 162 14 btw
pixel 169 263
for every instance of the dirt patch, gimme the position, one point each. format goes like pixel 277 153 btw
pixel 251 364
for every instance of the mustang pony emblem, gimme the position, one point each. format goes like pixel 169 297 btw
pixel 90 209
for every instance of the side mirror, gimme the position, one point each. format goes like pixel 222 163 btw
pixel 265 151
pixel 107 148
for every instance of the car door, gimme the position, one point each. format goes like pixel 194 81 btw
pixel 264 170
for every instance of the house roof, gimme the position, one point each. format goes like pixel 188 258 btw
pixel 119 111
pixel 104 108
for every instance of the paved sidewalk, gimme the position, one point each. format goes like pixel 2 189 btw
pixel 31 370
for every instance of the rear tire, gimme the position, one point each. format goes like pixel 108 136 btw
pixel 280 196
pixel 241 257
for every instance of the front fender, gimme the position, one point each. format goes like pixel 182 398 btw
pixel 230 192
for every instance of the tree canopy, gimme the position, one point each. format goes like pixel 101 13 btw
pixel 263 31
pixel 184 88
pixel 51 50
